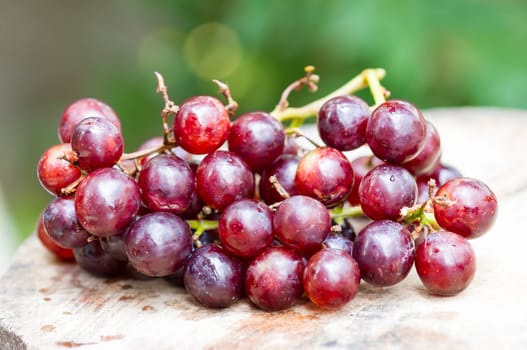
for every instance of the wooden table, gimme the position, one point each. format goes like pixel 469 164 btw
pixel 45 304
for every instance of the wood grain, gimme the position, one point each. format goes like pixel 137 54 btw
pixel 45 304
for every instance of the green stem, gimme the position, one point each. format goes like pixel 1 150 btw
pixel 345 212
pixel 377 90
pixel 203 225
pixel 311 109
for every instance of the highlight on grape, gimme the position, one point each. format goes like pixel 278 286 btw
pixel 233 206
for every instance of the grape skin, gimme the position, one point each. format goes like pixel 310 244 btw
pixel 284 169
pixel 384 252
pixel 167 184
pixel 325 174
pixel 472 207
pixel 97 142
pixel 246 228
pixel 61 224
pixel 201 125
pixel 223 177
pixel 106 202
pixel 396 131
pixel 273 280
pixel 213 277
pixel 82 109
pixel 331 278
pixel 341 122
pixel 302 223
pixel 92 258
pixel 445 263
pixel 55 173
pixel 385 190
pixel 258 139
pixel 158 244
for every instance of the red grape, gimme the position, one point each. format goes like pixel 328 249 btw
pixel 106 202
pixel 158 244
pixel 246 228
pixel 201 125
pixel 258 138
pixel 471 209
pixel 274 279
pixel 342 122
pixel 167 184
pixel 54 172
pixel 302 223
pixel 430 155
pixel 384 252
pixel 97 142
pixel 385 190
pixel 331 278
pixel 284 169
pixel 445 263
pixel 325 174
pixel 361 166
pixel 81 109
pixel 222 178
pixel 396 131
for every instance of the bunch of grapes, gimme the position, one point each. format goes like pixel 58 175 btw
pixel 233 208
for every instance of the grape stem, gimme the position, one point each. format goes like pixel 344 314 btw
pixel 345 212
pixel 232 105
pixel 170 107
pixel 200 226
pixel 378 91
pixel 296 132
pixel 357 83
pixel 310 80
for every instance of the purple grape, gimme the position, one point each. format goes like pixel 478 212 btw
pixel 396 131
pixel 325 174
pixel 222 178
pixel 273 280
pixel 384 252
pixel 284 169
pixel 246 228
pixel 167 184
pixel 337 241
pixel 385 190
pixel 302 223
pixel 258 138
pixel 342 122
pixel 61 223
pixel 213 277
pixel 106 202
pixel 96 261
pixel 158 244
pixel 97 142
pixel 115 246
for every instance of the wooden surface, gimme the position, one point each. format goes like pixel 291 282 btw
pixel 45 304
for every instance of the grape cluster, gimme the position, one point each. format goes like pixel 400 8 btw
pixel 239 208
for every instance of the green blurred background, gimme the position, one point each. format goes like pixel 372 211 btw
pixel 436 53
